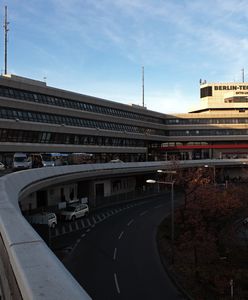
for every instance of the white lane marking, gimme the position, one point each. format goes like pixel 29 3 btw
pixel 130 222
pixel 82 223
pixel 114 256
pixel 98 218
pixel 160 205
pixel 143 213
pixel 116 284
pixel 121 234
pixel 89 223
pixel 75 245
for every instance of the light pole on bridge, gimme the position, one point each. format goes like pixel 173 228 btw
pixel 171 183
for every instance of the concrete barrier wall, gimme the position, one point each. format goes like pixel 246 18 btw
pixel 37 271
pixel 9 287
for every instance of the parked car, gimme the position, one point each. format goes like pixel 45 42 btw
pixel 46 218
pixel 21 162
pixel 2 166
pixel 74 211
pixel 116 161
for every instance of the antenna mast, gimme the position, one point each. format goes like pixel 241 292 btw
pixel 6 29
pixel 143 88
pixel 243 75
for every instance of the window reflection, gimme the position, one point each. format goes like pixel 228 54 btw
pixel 51 100
pixel 24 136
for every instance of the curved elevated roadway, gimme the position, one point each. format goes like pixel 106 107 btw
pixel 28 268
pixel 118 258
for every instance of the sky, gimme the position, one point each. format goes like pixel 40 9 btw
pixel 98 47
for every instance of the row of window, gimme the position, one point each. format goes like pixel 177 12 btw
pixel 207 132
pixel 24 136
pixel 173 144
pixel 206 121
pixel 236 100
pixel 8 113
pixel 57 101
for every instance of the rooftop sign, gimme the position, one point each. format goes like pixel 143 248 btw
pixel 230 87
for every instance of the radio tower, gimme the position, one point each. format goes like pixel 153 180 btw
pixel 6 29
pixel 143 88
pixel 243 74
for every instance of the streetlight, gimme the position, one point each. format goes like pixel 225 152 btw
pixel 151 181
pixel 207 166
pixel 166 172
pixel 172 202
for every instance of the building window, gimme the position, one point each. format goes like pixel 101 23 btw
pixel 206 92
pixel 50 100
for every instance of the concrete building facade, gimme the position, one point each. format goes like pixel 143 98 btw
pixel 36 118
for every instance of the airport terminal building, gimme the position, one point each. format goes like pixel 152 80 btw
pixel 215 129
pixel 36 118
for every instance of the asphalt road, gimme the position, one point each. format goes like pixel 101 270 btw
pixel 118 258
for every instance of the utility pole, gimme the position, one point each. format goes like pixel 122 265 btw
pixel 6 29
pixel 143 88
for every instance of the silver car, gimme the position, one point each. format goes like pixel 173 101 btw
pixel 46 218
pixel 74 211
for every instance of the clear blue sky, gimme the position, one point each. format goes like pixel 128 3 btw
pixel 98 47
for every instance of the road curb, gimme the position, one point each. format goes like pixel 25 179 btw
pixel 171 275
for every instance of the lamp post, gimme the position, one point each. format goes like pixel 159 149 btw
pixel 166 172
pixel 171 183
pixel 207 166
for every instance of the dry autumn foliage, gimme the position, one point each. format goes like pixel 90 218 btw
pixel 208 210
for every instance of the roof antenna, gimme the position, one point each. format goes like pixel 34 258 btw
pixel 143 88
pixel 243 74
pixel 6 29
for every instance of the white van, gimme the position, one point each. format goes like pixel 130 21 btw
pixel 21 162
pixel 46 218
